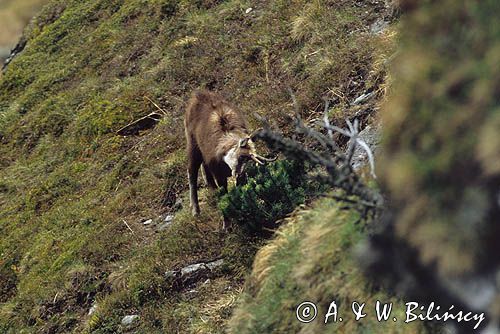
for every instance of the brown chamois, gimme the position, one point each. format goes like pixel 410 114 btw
pixel 217 139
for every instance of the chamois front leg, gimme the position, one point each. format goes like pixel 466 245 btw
pixel 194 164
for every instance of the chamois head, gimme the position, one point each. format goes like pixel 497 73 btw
pixel 241 153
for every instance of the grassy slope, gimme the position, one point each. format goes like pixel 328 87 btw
pixel 313 259
pixel 67 181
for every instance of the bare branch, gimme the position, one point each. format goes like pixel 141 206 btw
pixel 326 119
pixel 371 160
pixel 157 106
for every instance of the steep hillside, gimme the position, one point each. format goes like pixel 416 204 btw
pixel 74 195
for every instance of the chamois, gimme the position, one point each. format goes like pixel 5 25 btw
pixel 217 139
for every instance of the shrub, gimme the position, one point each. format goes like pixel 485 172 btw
pixel 270 193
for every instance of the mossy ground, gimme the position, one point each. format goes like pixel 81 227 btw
pixel 73 194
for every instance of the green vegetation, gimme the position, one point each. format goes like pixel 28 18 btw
pixel 313 259
pixel 73 194
pixel 270 193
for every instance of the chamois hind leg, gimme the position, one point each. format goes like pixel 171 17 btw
pixel 209 178
pixel 194 163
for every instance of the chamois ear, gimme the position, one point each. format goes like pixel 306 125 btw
pixel 244 142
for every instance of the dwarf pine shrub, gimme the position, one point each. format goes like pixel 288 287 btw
pixel 270 193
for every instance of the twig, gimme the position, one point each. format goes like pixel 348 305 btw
pixel 326 119
pixel 353 134
pixel 128 226
pixel 337 164
pixel 157 106
pixel 343 178
pixel 154 116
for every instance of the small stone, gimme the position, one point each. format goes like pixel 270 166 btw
pixel 167 221
pixel 129 319
pixel 371 135
pixel 248 10
pixel 215 264
pixel 93 309
pixel 148 222
pixel 192 268
pixel 199 266
pixel 378 27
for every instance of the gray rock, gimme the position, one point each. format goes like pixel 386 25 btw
pixel 200 266
pixel 93 309
pixel 371 135
pixel 378 26
pixel 167 221
pixel 129 319
pixel 194 270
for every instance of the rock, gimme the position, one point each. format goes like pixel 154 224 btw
pixel 194 271
pixel 194 268
pixel 148 222
pixel 4 53
pixel 248 10
pixel 129 319
pixel 371 135
pixel 378 26
pixel 167 221
pixel 93 309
